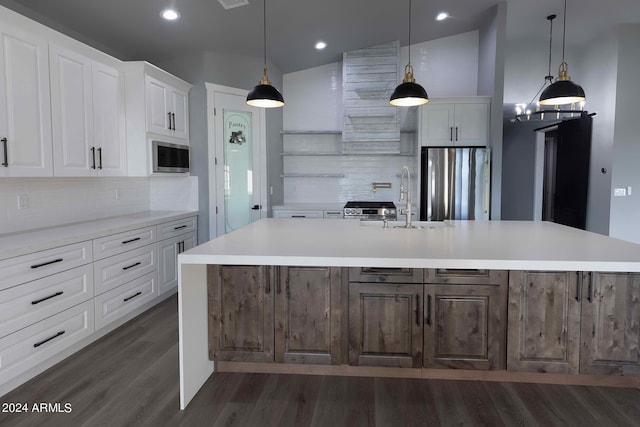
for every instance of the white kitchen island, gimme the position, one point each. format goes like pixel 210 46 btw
pixel 491 245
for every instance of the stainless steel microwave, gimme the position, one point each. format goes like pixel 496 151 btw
pixel 169 157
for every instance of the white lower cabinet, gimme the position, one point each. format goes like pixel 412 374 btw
pixel 59 299
pixel 168 251
pixel 31 302
pixel 122 300
pixel 28 347
pixel 119 269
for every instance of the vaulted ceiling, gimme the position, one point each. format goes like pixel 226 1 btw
pixel 133 29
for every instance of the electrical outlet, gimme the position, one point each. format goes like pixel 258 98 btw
pixel 619 192
pixel 23 201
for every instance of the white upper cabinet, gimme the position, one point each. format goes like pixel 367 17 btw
pixel 461 122
pixel 166 108
pixel 88 115
pixel 160 101
pixel 25 109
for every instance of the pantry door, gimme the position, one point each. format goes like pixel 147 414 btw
pixel 237 166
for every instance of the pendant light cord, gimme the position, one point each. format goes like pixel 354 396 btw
pixel 409 32
pixel 550 18
pixel 564 28
pixel 264 30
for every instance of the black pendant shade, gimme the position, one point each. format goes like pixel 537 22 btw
pixel 563 91
pixel 264 95
pixel 408 94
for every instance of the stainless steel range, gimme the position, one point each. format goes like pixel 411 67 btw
pixel 370 211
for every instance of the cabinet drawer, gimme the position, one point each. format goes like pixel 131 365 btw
pixel 33 345
pixel 465 276
pixel 121 242
pixel 37 265
pixel 114 271
pixel 175 228
pixel 31 302
pixel 381 274
pixel 114 304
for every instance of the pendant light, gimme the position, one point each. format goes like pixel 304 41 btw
pixel 409 93
pixel 563 91
pixel 264 95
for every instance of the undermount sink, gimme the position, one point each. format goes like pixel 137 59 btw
pixel 417 225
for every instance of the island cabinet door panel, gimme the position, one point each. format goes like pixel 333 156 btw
pixel 544 321
pixel 464 326
pixel 611 324
pixel 240 313
pixel 385 324
pixel 307 316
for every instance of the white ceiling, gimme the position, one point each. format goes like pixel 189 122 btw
pixel 133 29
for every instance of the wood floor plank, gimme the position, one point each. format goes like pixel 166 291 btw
pixel 130 378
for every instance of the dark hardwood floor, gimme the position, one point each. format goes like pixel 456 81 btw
pixel 130 378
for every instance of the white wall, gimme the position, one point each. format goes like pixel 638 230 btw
pixel 625 211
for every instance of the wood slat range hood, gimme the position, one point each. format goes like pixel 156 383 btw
pixel 370 75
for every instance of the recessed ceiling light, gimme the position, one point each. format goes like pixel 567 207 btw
pixel 320 45
pixel 442 16
pixel 170 14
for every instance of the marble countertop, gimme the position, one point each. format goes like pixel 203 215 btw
pixel 21 243
pixel 510 245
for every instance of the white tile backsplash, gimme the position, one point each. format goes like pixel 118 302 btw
pixel 56 201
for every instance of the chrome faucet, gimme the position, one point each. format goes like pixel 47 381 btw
pixel 406 196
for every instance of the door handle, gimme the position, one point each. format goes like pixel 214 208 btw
pixel 256 207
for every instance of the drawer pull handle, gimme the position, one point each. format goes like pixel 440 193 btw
pixel 132 296
pixel 178 228
pixel 38 301
pixel 429 310
pixel 298 216
pixel 47 263
pixel 38 344
pixel 130 240
pixel 131 266
pixel 6 155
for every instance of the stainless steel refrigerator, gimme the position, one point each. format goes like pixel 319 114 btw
pixel 454 183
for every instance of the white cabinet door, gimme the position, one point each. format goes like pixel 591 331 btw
pixel 471 124
pixel 25 107
pixel 437 125
pixel 167 109
pixel 179 115
pixel 168 251
pixel 109 120
pixel 157 111
pixel 74 153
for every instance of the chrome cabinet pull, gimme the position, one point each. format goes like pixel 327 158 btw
pixel 38 301
pixel 6 153
pixel 38 344
pixel 132 296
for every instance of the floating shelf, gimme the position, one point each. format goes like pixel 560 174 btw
pixel 312 175
pixel 311 132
